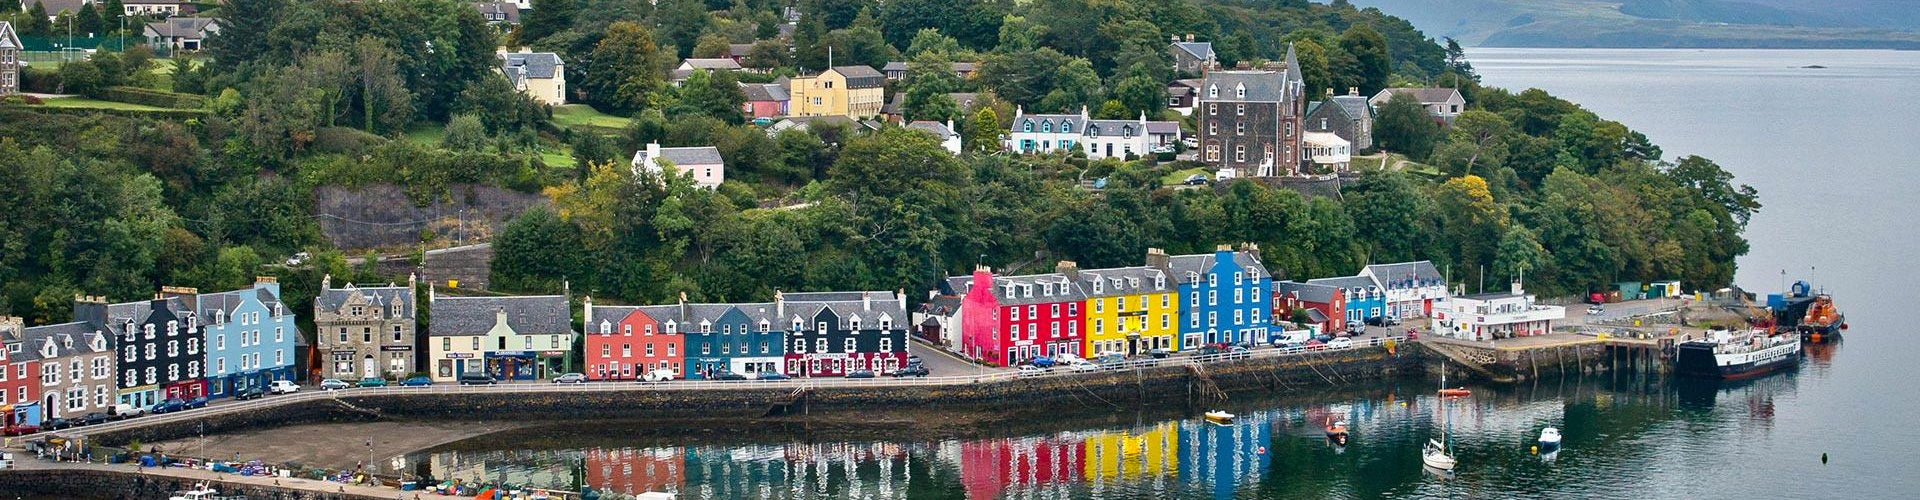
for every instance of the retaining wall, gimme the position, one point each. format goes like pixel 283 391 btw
pixel 100 484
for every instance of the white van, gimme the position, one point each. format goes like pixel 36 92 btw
pixel 660 375
pixel 1293 338
pixel 283 387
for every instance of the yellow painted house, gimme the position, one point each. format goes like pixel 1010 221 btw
pixel 852 91
pixel 1132 454
pixel 508 338
pixel 1129 310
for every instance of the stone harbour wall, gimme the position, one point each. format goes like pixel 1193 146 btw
pixel 114 485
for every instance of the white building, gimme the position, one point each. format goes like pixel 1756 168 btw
pixel 944 131
pixel 703 162
pixel 1099 138
pixel 1411 287
pixel 1489 316
pixel 1326 151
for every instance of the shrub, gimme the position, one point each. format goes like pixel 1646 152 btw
pixel 21 99
pixel 150 97
pixel 40 80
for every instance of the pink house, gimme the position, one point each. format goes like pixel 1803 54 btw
pixel 1007 320
pixel 764 100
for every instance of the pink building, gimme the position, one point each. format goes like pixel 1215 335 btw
pixel 1006 320
pixel 764 100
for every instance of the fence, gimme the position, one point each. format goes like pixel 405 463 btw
pixel 802 383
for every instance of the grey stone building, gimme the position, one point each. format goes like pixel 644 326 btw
pixel 366 331
pixel 1191 57
pixel 1249 120
pixel 9 59
pixel 1347 116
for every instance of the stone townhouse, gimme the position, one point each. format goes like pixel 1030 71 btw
pixel 1248 120
pixel 10 48
pixel 366 331
pixel 509 338
pixel 76 368
pixel 1191 57
pixel 158 344
pixel 1348 116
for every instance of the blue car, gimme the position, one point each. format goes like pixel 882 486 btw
pixel 168 406
pixel 772 376
pixel 199 402
pixel 418 382
pixel 1042 361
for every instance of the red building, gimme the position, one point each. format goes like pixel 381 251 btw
pixel 1026 466
pixel 19 375
pixel 625 342
pixel 632 471
pixel 1326 305
pixel 1006 320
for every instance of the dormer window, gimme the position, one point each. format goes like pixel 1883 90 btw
pixel 1240 91
pixel 765 326
pixel 219 317
pixel 1133 282
pixel 886 322
pixel 1098 287
pixel 798 325
pixel 1213 91
pixel 673 328
pixel 606 327
pixel 1093 130
pixel 1026 127
pixel 358 311
pixel 706 327
pixel 1159 281
pixel 1066 127
pixel 1046 127
pixel 855 322
pixel 1026 290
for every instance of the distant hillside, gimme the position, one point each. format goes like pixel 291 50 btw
pixel 1664 23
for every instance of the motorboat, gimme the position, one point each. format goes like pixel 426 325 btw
pixel 1337 431
pixel 1455 393
pixel 1219 417
pixel 1549 439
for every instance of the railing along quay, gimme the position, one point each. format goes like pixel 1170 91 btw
pixel 306 395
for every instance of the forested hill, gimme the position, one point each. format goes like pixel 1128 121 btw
pixel 212 181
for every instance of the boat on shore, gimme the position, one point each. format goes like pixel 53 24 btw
pixel 1726 354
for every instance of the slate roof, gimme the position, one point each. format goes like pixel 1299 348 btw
pixel 1309 292
pixel 1346 282
pixel 1262 85
pixel 711 63
pixel 944 305
pixel 938 129
pixel 894 66
pixel 80 332
pixel 526 315
pixel 861 77
pixel 739 49
pixel 1315 316
pixel 180 27
pixel 531 64
pixel 696 155
pixel 331 299
pixel 1355 106
pixel 9 39
pixel 55 7
pixel 868 305
pixel 1198 264
pixel 764 92
pixel 1124 281
pixel 1199 50
pixel 1163 128
pixel 1426 95
pixel 1396 275
pixel 1045 288
pixel 507 12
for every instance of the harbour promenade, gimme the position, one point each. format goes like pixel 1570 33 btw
pixel 91 480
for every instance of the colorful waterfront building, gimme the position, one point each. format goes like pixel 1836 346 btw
pixel 75 375
pixel 1129 310
pixel 1226 295
pixel 158 343
pixel 249 338
pixel 19 375
pixel 366 331
pixel 1325 305
pixel 832 333
pixel 730 338
pixel 1410 287
pixel 626 342
pixel 1494 315
pixel 1363 298
pixel 1011 319
pixel 1132 454
pixel 509 338
pixel 632 471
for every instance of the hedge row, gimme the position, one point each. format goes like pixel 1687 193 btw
pixel 150 97
pixel 171 114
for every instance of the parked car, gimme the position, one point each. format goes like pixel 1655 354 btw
pixel 19 429
pixel 1340 343
pixel 913 370
pixel 1293 339
pixel 373 382
pixel 1323 338
pixel 1030 370
pixel 477 379
pixel 123 410
pixel 1596 309
pixel 660 375
pixel 1082 367
pixel 1195 180
pixel 199 402
pixel 1315 344
pixel 1355 328
pixel 1383 321
pixel 1161 149
pixel 772 376
pixel 1041 361
pixel 420 381
pixel 1238 352
pixel 727 376
pixel 333 384
pixel 1110 358
pixel 860 374
pixel 95 418
pixel 913 359
pixel 570 378
pixel 288 387
pixel 1159 353
pixel 168 406
pixel 56 423
pixel 254 392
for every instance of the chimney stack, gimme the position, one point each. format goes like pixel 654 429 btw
pixel 1158 259
pixel 1353 90
pixel 779 304
pixel 326 281
pixel 586 310
pixel 1069 268
pixel 866 301
pixel 1189 37
pixel 901 297
pixel 1173 38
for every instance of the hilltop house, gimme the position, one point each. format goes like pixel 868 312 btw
pixel 1182 94
pixel 1348 116
pixel 541 75
pixel 851 91
pixel 181 33
pixel 498 13
pixel 249 338
pixel 1191 57
pixel 1441 103
pixel 155 8
pixel 1098 138
pixel 366 331
pixel 1249 120
pixel 764 100
pixel 702 162
pixel 688 66
pixel 949 139
pixel 509 338
pixel 10 48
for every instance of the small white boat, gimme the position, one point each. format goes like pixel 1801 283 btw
pixel 1219 417
pixel 1436 456
pixel 1549 439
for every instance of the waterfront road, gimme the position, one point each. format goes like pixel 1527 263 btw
pixel 940 362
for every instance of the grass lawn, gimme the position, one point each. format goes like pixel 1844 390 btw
pixel 556 157
pixel 1180 176
pixel 581 115
pixel 426 134
pixel 82 102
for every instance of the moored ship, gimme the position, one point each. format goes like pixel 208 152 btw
pixel 1822 322
pixel 1731 355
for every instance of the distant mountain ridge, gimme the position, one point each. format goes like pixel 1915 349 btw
pixel 1886 24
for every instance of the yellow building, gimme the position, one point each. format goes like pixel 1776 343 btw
pixel 852 91
pixel 1132 454
pixel 1129 310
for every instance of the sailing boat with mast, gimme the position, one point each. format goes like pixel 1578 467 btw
pixel 1435 454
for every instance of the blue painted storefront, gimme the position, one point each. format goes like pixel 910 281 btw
pixel 1229 309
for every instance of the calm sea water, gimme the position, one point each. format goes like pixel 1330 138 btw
pixel 1833 152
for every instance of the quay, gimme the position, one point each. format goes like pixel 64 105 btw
pixel 33 478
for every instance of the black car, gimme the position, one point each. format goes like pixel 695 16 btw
pixel 56 423
pixel 249 393
pixel 913 370
pixel 477 379
pixel 860 374
pixel 1383 321
pixel 727 376
pixel 95 418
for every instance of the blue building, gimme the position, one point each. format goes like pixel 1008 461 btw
pixel 737 338
pixel 250 338
pixel 1365 299
pixel 1225 296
